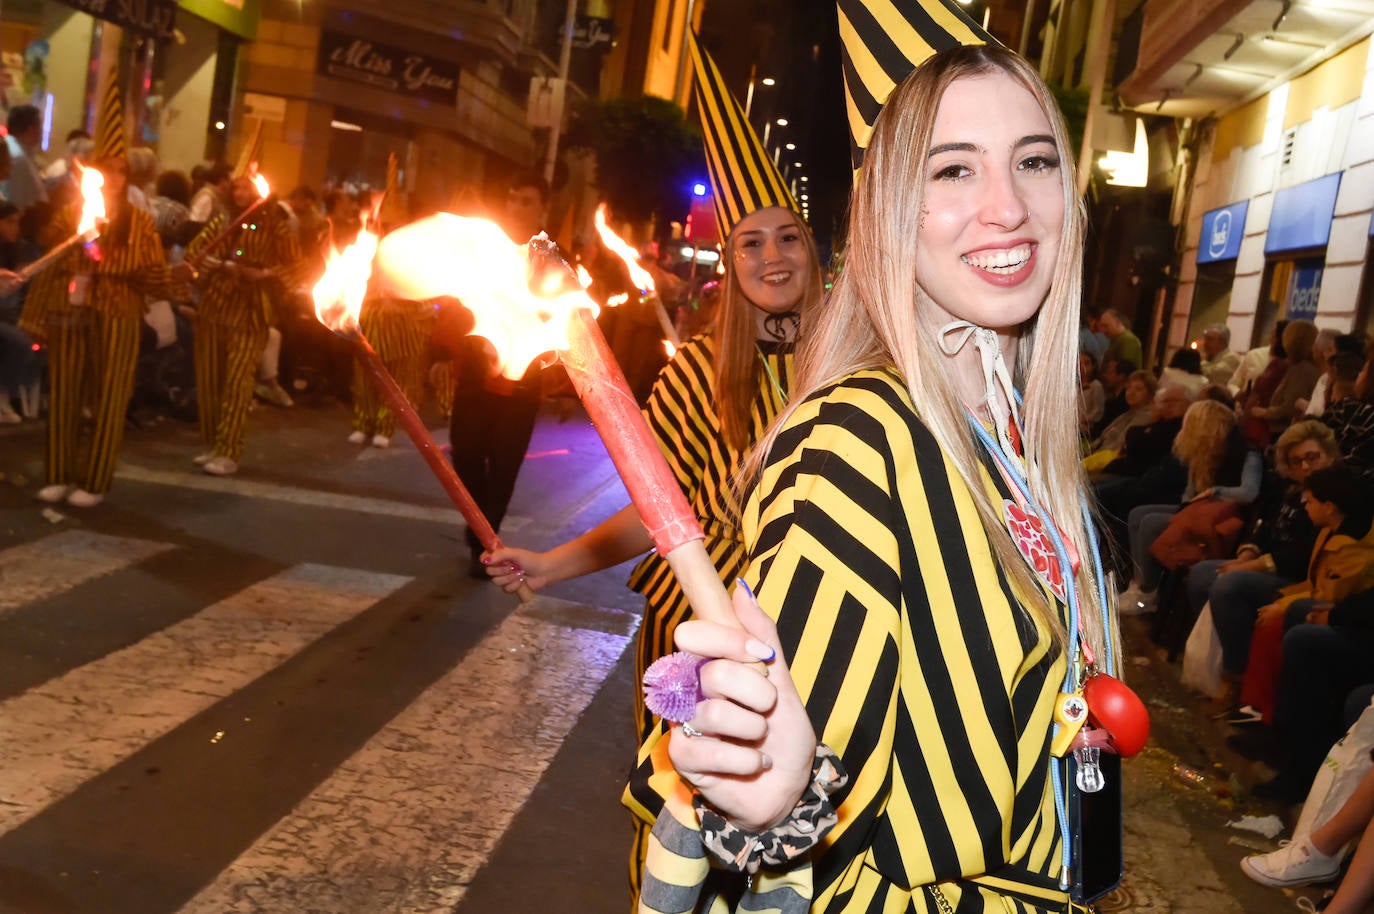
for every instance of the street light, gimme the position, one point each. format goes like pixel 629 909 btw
pixel 790 147
pixel 749 95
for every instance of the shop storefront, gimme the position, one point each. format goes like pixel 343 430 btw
pixel 176 65
pixel 1223 229
pixel 1295 253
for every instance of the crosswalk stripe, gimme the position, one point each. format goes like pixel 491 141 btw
pixel 58 735
pixel 63 561
pixel 406 822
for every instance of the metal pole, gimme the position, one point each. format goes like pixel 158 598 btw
pixel 564 64
pixel 749 95
pixel 1100 40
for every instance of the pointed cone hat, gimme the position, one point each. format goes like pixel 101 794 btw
pixel 743 175
pixel 247 163
pixel 110 142
pixel 882 41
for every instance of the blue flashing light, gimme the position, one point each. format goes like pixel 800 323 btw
pixel 699 189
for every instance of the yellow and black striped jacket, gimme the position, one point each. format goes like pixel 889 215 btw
pixel 682 415
pixel 123 271
pixel 915 659
pixel 264 240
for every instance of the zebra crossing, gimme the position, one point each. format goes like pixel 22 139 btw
pixel 402 824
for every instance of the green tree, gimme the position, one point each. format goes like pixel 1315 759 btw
pixel 647 155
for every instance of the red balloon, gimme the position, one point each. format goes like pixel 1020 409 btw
pixel 1118 710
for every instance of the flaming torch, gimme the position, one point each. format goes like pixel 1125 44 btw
pixel 473 260
pixel 88 228
pixel 233 224
pixel 338 302
pixel 638 275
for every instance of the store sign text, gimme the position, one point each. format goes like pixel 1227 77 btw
pixel 391 69
pixel 155 18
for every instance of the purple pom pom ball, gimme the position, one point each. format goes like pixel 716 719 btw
pixel 672 686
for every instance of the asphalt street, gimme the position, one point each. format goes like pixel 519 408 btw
pixel 281 692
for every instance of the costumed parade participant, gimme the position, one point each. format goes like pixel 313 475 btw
pixel 240 277
pixel 715 397
pixel 92 305
pixel 919 706
pixel 399 331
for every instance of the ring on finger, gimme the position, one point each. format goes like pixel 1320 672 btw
pixel 691 732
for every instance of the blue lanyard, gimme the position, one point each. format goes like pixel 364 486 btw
pixel 1012 472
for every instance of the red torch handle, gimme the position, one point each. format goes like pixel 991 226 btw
pixel 653 489
pixel 438 461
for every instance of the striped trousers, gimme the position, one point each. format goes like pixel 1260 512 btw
pixel 226 368
pixel 91 358
pixel 401 344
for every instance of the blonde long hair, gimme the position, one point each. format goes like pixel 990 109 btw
pixel 878 315
pixel 1202 442
pixel 737 368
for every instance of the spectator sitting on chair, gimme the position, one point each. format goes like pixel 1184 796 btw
pixel 1220 464
pixel 1275 555
pixel 1323 348
pixel 1114 374
pixel 1351 412
pixel 1185 370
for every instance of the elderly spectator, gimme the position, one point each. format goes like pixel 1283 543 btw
pixel 1219 363
pixel 24 186
pixel 1122 343
pixel 61 178
pixel 1253 363
pixel 1298 380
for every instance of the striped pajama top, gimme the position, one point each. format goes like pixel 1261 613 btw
pixel 917 664
pixel 263 241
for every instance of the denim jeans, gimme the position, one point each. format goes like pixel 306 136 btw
pixel 1236 599
pixel 1321 665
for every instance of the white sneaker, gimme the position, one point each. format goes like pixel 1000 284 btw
pixel 357 438
pixel 1134 601
pixel 273 393
pixel 54 493
pixel 201 460
pixel 221 466
pixel 1296 863
pixel 381 441
pixel 80 498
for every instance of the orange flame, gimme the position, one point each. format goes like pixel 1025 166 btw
pixel 473 260
pixel 260 183
pixel 583 277
pixel 669 348
pixel 92 199
pixel 618 246
pixel 340 292
pixel 615 301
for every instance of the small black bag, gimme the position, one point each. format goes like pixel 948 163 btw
pixel 1095 830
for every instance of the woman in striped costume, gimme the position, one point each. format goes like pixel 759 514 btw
pixel 92 306
pixel 400 332
pixel 900 625
pixel 232 317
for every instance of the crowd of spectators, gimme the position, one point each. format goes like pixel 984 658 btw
pixel 1241 485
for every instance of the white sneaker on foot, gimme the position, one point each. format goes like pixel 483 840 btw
pixel 357 438
pixel 381 441
pixel 1296 863
pixel 54 493
pixel 201 460
pixel 221 466
pixel 80 498
pixel 273 393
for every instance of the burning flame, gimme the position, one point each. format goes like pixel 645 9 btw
pixel 617 246
pixel 669 348
pixel 615 301
pixel 261 185
pixel 92 199
pixel 340 292
pixel 583 277
pixel 473 260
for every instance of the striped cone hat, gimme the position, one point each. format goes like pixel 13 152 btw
pixel 743 176
pixel 882 41
pixel 110 142
pixel 247 164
